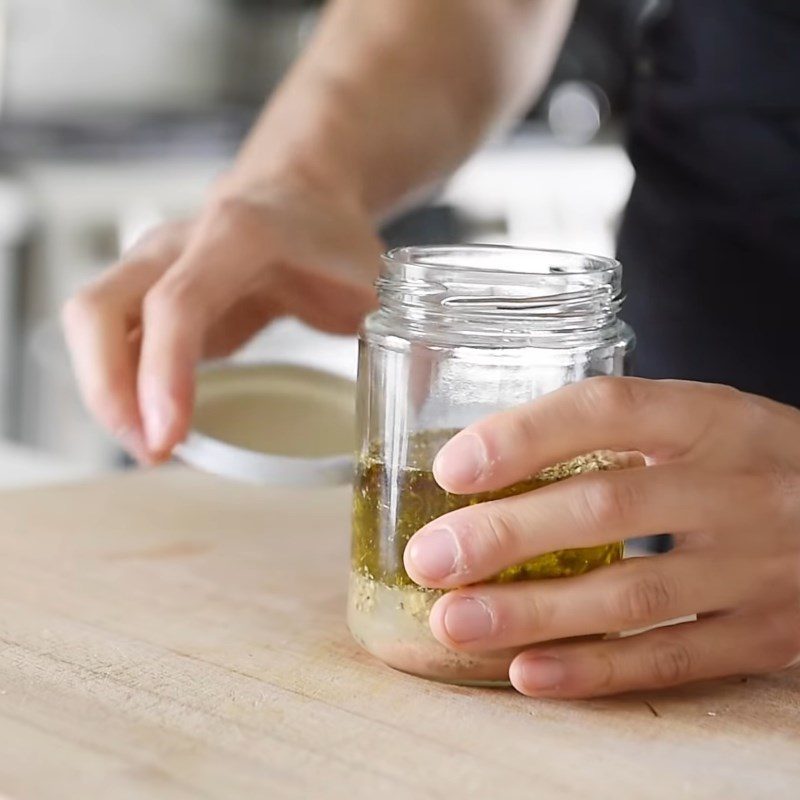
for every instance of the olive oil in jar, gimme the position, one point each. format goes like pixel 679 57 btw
pixel 392 503
pixel 388 612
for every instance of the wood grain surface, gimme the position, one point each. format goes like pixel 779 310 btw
pixel 172 635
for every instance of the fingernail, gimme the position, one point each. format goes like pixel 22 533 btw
pixel 462 460
pixel 434 554
pixel 541 674
pixel 159 417
pixel 467 619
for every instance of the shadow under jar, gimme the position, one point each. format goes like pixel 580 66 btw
pixel 463 332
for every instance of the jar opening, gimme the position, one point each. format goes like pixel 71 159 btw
pixel 496 288
pixel 501 259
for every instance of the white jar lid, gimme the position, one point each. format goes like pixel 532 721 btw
pixel 272 424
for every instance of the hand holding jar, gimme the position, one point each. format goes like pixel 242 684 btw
pixel 504 458
pixel 722 475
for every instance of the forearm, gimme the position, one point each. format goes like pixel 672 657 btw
pixel 391 96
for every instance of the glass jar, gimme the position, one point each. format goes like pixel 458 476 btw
pixel 463 332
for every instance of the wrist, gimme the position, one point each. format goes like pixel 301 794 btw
pixel 292 173
pixel 303 142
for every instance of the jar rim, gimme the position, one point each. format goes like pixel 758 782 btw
pixel 457 259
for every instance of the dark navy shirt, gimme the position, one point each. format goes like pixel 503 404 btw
pixel 711 236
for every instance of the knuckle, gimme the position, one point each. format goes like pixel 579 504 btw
pixel 537 614
pixel 159 243
pixel 81 307
pixel 166 239
pixel 605 671
pixel 234 206
pixel 156 303
pixel 731 396
pixel 613 396
pixel 234 215
pixel 754 416
pixel 606 502
pixel 171 297
pixel 644 599
pixel 523 424
pixel 500 536
pixel 671 663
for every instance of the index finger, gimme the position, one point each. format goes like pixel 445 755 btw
pixel 102 328
pixel 662 419
pixel 223 262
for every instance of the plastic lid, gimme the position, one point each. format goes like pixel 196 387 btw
pixel 272 424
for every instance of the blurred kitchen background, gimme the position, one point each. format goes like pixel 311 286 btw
pixel 115 114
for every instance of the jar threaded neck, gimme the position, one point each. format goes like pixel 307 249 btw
pixel 489 289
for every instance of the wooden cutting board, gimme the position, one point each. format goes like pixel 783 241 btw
pixel 172 635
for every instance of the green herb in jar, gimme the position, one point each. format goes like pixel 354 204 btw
pixel 392 502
